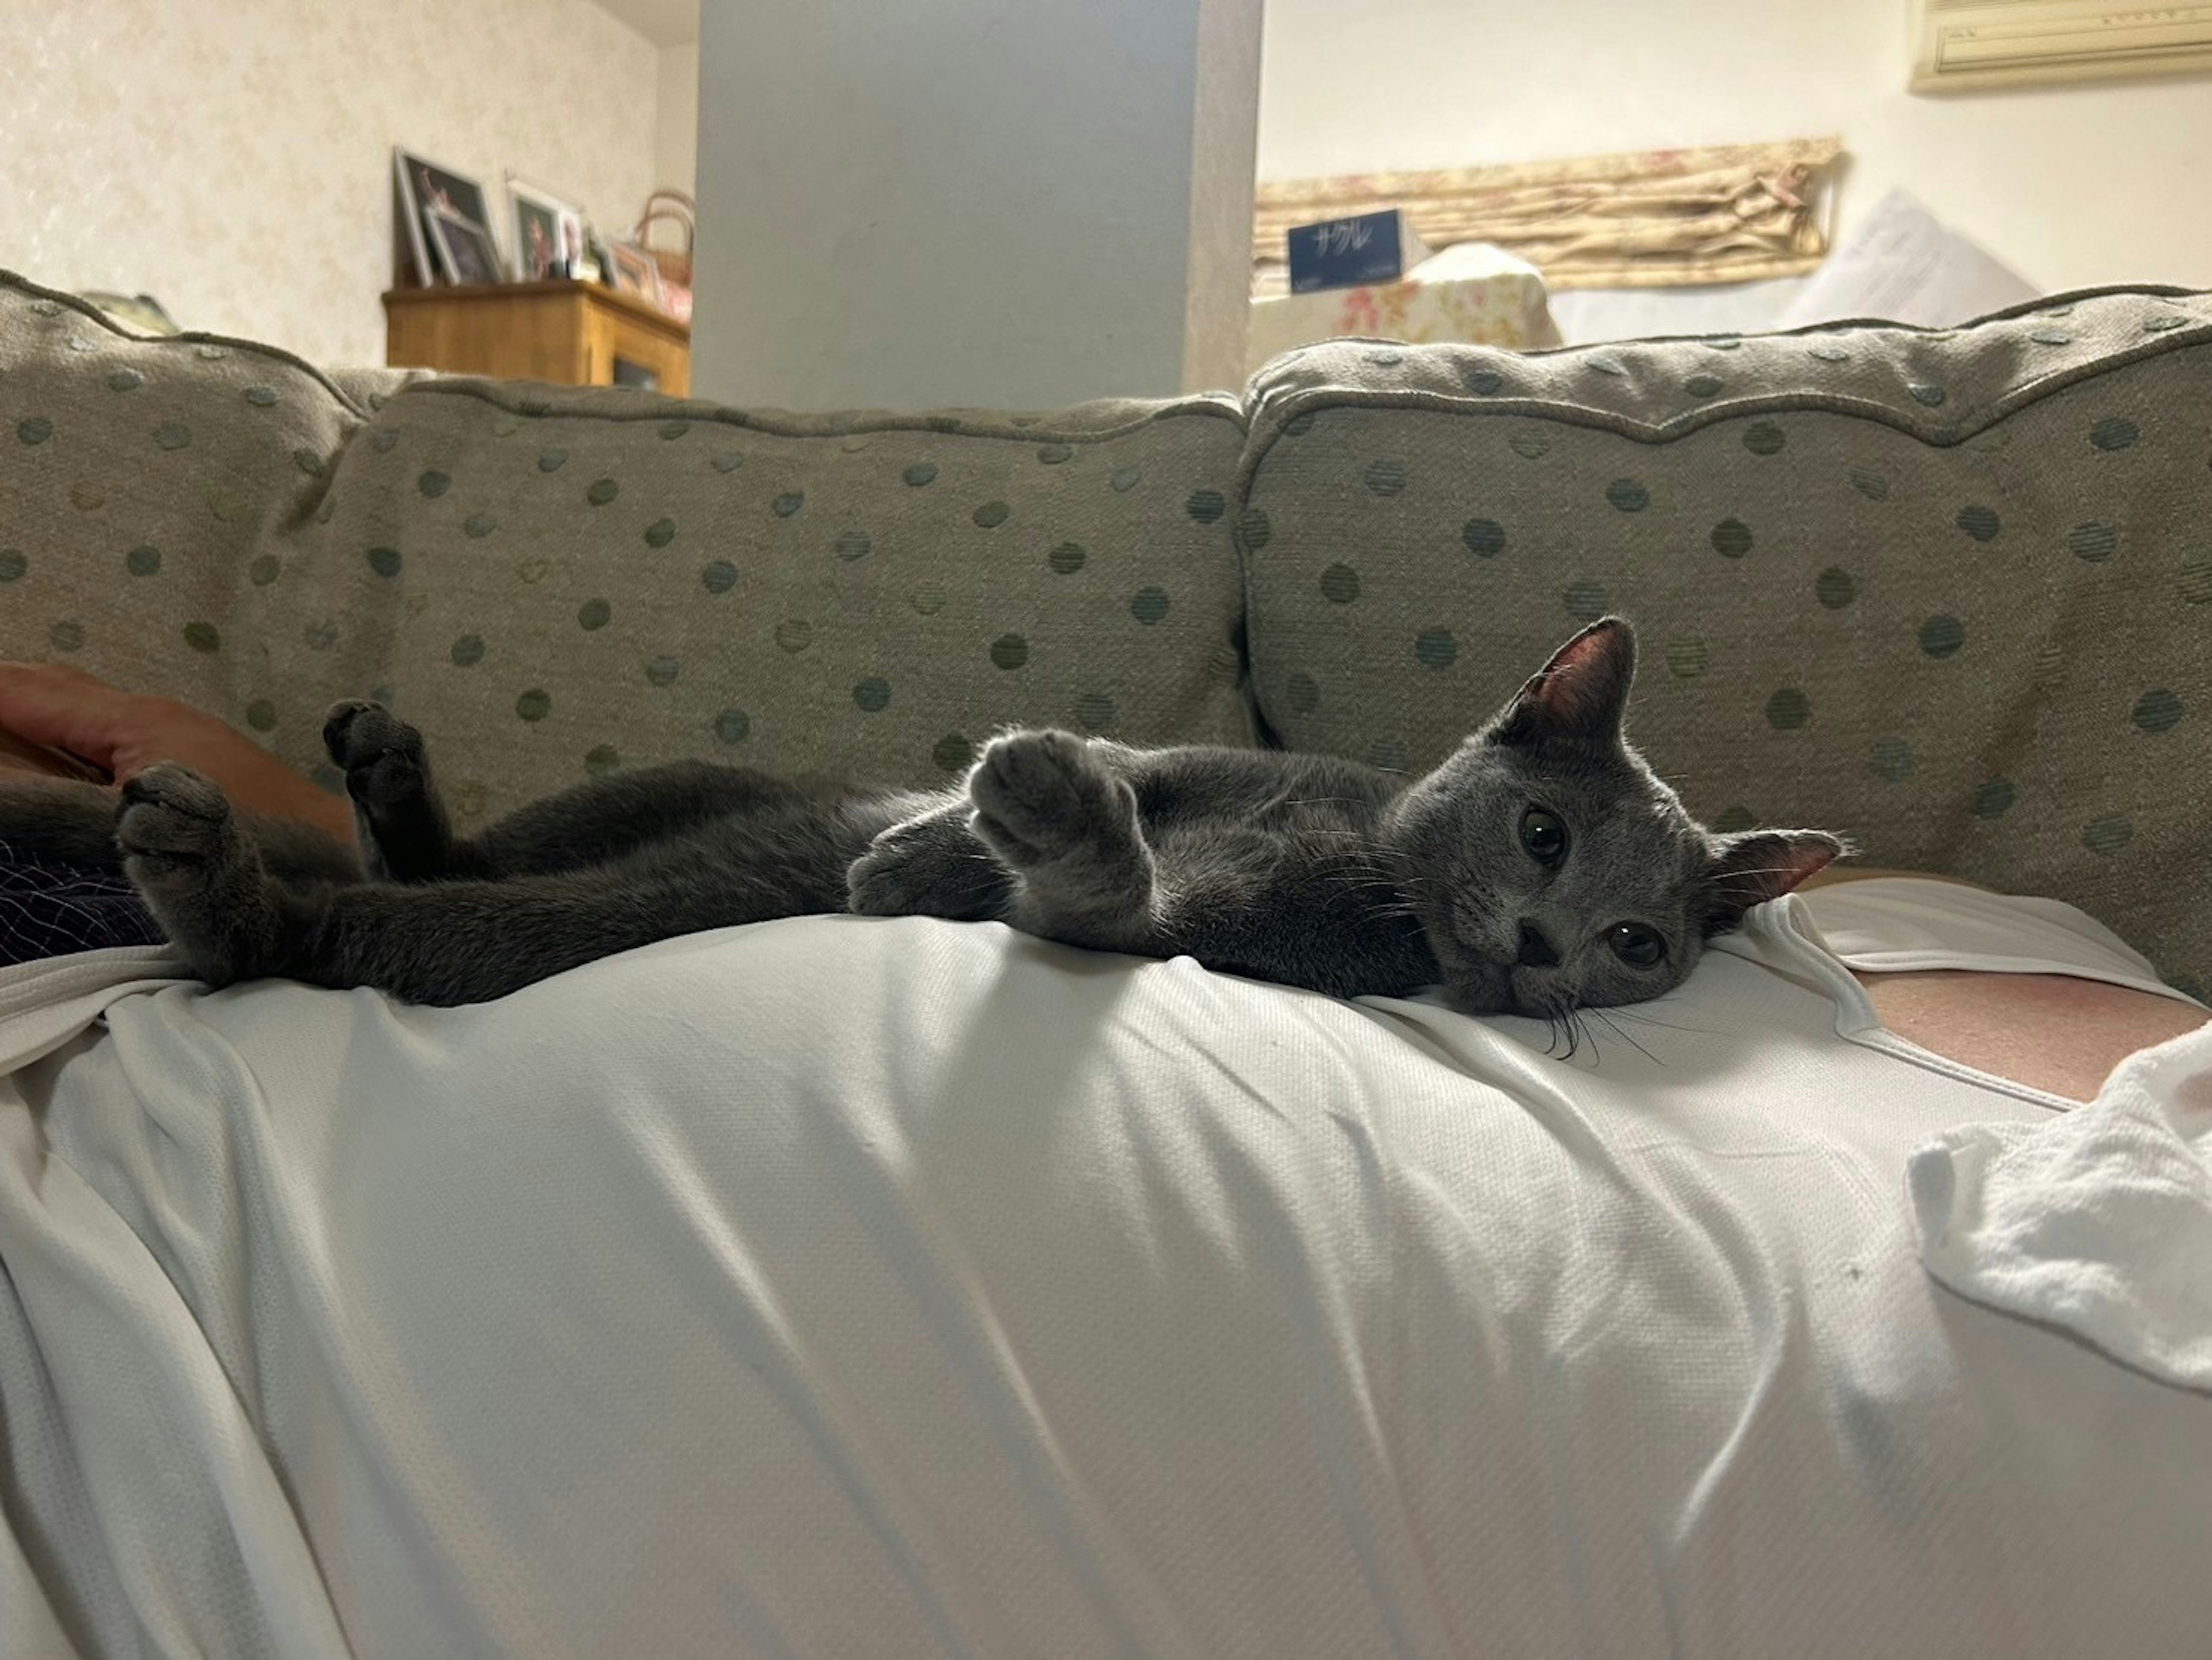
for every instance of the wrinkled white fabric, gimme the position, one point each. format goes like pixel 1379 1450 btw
pixel 2099 1222
pixel 839 1286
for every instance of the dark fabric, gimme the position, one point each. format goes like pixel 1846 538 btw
pixel 48 910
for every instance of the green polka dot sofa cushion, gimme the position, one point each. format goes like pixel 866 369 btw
pixel 1949 592
pixel 558 582
pixel 148 488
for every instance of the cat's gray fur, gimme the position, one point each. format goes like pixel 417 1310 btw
pixel 1303 869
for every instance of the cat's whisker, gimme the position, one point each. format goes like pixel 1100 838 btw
pixel 1615 1028
pixel 1559 1021
pixel 1664 1025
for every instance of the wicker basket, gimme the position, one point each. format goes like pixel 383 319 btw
pixel 669 207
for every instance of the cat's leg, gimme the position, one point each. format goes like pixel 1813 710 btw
pixel 447 943
pixel 930 865
pixel 52 822
pixel 1067 828
pixel 293 851
pixel 405 835
pixel 1306 909
pixel 200 873
pixel 608 818
pixel 388 776
pixel 444 942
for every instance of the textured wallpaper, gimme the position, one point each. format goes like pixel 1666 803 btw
pixel 233 157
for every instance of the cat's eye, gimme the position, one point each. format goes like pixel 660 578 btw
pixel 1636 944
pixel 1544 835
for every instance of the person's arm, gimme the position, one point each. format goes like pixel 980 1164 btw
pixel 47 707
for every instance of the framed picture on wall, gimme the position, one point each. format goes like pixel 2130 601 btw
pixel 466 254
pixel 549 233
pixel 423 186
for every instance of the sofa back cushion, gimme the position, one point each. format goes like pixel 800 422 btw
pixel 558 582
pixel 152 489
pixel 1949 593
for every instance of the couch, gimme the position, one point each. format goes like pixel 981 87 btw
pixel 1946 591
pixel 1949 593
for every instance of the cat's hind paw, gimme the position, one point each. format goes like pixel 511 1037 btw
pixel 380 755
pixel 172 826
pixel 1040 797
pixel 183 850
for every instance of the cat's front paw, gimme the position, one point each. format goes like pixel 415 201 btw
pixel 928 867
pixel 380 755
pixel 1040 796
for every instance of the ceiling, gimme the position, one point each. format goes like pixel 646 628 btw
pixel 664 22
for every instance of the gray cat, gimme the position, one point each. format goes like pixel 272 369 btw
pixel 1541 869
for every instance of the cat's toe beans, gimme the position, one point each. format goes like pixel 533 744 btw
pixel 878 884
pixel 347 728
pixel 174 806
pixel 356 732
pixel 1037 788
pixel 174 830
pixel 384 778
pixel 337 725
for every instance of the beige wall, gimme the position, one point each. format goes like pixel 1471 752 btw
pixel 233 157
pixel 675 141
pixel 2071 186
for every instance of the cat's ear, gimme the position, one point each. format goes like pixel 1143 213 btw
pixel 1580 695
pixel 1750 868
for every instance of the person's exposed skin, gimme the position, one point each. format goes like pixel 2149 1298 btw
pixel 120 733
pixel 2052 1033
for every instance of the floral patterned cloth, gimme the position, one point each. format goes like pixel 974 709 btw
pixel 1474 294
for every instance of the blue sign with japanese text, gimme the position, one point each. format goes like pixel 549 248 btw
pixel 1344 253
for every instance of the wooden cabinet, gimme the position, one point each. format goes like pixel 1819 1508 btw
pixel 576 334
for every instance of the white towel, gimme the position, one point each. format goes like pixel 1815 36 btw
pixel 2098 1222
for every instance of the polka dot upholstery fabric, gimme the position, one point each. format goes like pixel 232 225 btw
pixel 1948 592
pixel 147 488
pixel 557 583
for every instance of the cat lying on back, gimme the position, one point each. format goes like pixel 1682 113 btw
pixel 1541 869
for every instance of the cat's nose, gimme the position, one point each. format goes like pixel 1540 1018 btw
pixel 1536 951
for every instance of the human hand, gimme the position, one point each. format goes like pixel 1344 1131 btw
pixel 123 733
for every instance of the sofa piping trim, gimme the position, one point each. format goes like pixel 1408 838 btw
pixel 92 313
